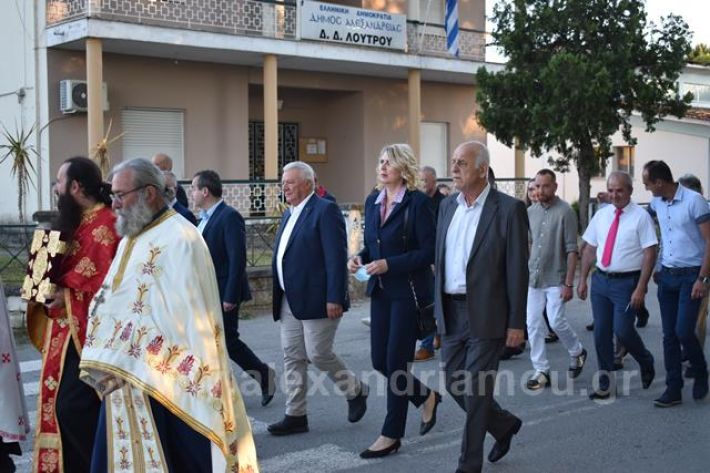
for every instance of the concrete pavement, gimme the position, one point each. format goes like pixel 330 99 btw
pixel 562 432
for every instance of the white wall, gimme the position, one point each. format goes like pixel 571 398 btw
pixel 685 146
pixel 17 56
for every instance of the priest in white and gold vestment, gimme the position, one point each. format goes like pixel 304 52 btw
pixel 154 345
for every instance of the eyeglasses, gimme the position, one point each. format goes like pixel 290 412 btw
pixel 118 196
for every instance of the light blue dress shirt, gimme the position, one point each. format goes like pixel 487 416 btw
pixel 205 216
pixel 682 244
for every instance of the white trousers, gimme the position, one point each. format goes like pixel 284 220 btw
pixel 538 300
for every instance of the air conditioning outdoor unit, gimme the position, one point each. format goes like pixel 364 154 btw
pixel 73 96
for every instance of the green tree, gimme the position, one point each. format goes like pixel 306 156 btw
pixel 700 55
pixel 576 71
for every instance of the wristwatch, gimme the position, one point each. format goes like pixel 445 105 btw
pixel 704 279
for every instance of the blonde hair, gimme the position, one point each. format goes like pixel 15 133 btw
pixel 401 157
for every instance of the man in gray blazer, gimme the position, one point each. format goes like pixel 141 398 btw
pixel 481 287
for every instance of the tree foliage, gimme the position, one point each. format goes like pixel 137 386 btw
pixel 576 71
pixel 700 55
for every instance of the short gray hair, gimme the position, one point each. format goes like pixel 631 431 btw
pixel 428 170
pixel 145 173
pixel 480 150
pixel 306 171
pixel 692 182
pixel 625 177
pixel 171 184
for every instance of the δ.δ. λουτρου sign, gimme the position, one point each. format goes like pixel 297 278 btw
pixel 355 26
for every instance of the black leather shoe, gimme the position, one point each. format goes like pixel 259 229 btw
pixel 503 445
pixel 427 426
pixel 647 375
pixel 381 453
pixel 289 425
pixel 590 327
pixel 600 394
pixel 642 317
pixel 668 399
pixel 357 406
pixel 551 337
pixel 268 389
pixel 700 387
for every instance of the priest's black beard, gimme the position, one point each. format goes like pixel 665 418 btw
pixel 69 218
pixel 131 221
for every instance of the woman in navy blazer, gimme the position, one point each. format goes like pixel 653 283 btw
pixel 393 310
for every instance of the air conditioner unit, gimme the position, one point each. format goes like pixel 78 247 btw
pixel 73 96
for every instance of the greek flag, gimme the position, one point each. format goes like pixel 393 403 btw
pixel 452 27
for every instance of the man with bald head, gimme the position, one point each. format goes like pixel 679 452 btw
pixel 622 239
pixel 481 286
pixel 165 164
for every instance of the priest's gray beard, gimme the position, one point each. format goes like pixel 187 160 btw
pixel 132 220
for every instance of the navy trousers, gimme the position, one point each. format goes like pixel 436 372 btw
pixel 393 337
pixel 613 316
pixel 240 353
pixel 185 450
pixel 679 315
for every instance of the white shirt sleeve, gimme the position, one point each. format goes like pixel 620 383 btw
pixel 590 234
pixel 647 230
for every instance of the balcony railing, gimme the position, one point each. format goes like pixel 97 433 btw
pixel 266 18
pixel 274 19
pixel 430 40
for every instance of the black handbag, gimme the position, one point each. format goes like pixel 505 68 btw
pixel 426 323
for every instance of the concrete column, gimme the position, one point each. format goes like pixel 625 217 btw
pixel 271 118
pixel 519 160
pixel 415 109
pixel 94 81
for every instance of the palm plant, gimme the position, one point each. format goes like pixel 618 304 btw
pixel 20 151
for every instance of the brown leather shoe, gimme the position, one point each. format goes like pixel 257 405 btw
pixel 437 342
pixel 423 355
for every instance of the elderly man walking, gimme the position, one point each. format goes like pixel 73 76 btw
pixel 310 295
pixel 481 285
pixel 622 239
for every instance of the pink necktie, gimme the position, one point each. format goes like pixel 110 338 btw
pixel 611 239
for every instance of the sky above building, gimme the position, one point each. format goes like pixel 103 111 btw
pixel 695 12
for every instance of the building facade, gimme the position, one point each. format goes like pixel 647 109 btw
pixel 243 86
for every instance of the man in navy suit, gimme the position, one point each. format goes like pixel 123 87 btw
pixel 170 197
pixel 310 295
pixel 223 229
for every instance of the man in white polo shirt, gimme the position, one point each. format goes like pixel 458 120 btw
pixel 622 239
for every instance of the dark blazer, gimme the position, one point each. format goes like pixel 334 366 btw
pixel 181 196
pixel 314 263
pixel 387 241
pixel 185 212
pixel 225 235
pixel 497 269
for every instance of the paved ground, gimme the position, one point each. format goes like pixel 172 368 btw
pixel 562 432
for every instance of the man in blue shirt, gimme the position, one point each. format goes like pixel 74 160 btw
pixel 683 277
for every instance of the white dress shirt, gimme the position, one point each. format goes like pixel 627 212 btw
pixel 636 232
pixel 459 241
pixel 286 235
pixel 205 216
